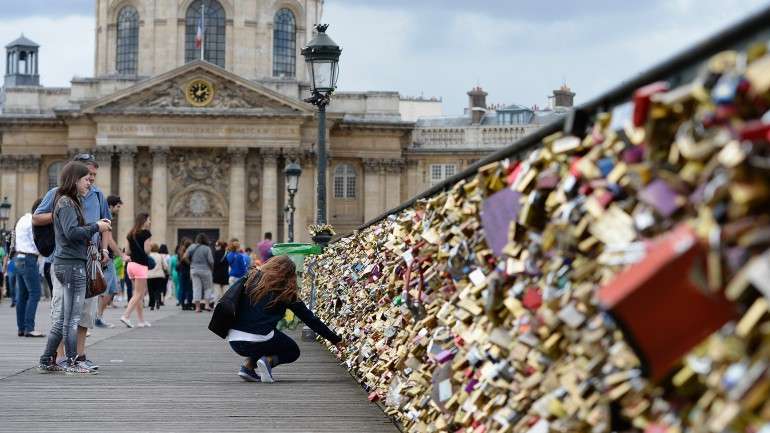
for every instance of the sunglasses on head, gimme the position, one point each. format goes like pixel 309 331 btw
pixel 84 157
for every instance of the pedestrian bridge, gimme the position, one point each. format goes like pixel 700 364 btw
pixel 174 377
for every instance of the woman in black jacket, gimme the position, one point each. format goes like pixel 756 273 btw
pixel 268 292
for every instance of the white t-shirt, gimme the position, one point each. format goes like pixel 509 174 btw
pixel 236 335
pixel 25 242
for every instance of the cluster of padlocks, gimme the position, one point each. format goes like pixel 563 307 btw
pixel 614 278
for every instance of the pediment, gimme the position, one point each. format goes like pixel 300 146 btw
pixel 166 94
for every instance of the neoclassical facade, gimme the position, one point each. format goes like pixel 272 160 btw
pixel 195 108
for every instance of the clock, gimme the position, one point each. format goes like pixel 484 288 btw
pixel 199 92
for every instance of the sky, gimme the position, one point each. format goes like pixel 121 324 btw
pixel 516 50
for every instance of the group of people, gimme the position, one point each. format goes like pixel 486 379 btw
pixel 80 218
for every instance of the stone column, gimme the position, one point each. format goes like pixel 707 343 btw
pixel 269 192
pixel 393 169
pixel 159 203
pixel 126 191
pixel 237 221
pixel 104 176
pixel 29 167
pixel 8 184
pixel 373 196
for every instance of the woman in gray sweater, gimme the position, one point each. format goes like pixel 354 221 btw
pixel 69 266
pixel 201 264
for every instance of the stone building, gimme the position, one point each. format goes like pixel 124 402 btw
pixel 198 136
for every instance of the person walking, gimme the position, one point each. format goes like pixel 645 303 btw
pixel 10 278
pixel 237 260
pixel 156 277
pixel 110 271
pixel 27 275
pixel 72 237
pixel 221 271
pixel 163 251
pixel 264 247
pixel 265 296
pixel 173 266
pixel 185 282
pixel 137 269
pixel 201 266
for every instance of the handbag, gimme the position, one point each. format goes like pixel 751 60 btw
pixel 151 262
pixel 95 284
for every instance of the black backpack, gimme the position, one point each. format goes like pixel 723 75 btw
pixel 45 239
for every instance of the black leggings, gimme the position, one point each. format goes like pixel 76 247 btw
pixel 281 348
pixel 155 287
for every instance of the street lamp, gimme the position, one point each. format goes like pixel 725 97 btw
pixel 292 171
pixel 322 56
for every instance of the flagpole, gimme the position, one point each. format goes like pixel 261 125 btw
pixel 203 28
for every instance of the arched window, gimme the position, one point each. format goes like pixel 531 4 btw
pixel 54 171
pixel 212 34
pixel 284 44
pixel 127 49
pixel 344 181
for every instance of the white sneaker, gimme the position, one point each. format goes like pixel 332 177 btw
pixel 126 322
pixel 264 370
pixel 143 325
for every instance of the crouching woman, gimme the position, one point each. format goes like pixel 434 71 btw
pixel 266 295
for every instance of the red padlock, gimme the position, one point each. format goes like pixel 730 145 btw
pixel 643 98
pixel 662 302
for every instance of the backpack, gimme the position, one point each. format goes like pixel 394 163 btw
pixel 224 316
pixel 45 239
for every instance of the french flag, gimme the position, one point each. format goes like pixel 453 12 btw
pixel 199 33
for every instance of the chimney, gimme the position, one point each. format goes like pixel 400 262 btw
pixel 563 97
pixel 477 104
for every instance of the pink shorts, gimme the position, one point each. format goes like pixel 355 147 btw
pixel 137 271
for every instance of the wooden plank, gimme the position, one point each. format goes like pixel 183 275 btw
pixel 175 377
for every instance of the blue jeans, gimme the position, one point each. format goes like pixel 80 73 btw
pixel 66 314
pixel 27 291
pixel 111 278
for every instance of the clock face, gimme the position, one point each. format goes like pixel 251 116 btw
pixel 199 93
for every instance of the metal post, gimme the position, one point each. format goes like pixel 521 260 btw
pixel 291 216
pixel 321 198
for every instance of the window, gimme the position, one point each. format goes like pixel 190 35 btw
pixel 344 181
pixel 54 171
pixel 127 49
pixel 439 172
pixel 284 44
pixel 213 45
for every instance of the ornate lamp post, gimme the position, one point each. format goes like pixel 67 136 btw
pixel 322 57
pixel 5 213
pixel 292 171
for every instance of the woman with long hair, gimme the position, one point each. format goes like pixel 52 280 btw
pixel 267 293
pixel 201 264
pixel 137 269
pixel 72 236
pixel 185 283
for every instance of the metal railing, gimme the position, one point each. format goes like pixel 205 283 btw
pixel 678 69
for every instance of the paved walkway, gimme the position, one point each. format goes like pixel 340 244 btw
pixel 174 377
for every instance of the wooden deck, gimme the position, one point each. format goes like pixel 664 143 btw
pixel 174 377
